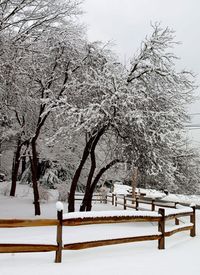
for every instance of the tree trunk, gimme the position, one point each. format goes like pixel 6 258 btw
pixel 15 168
pixel 134 180
pixel 23 164
pixel 95 182
pixel 71 199
pixel 91 143
pixel 89 181
pixel 92 170
pixel 34 159
pixel 34 164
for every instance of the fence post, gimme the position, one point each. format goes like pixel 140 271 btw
pixel 124 202
pixel 116 200
pixel 106 199
pixel 113 199
pixel 100 198
pixel 177 222
pixel 161 228
pixel 58 258
pixel 137 203
pixel 153 205
pixel 193 220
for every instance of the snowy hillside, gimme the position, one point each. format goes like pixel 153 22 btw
pixel 180 256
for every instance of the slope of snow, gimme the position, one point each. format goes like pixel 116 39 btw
pixel 120 189
pixel 181 256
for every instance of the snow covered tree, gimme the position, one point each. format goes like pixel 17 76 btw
pixel 38 43
pixel 187 173
pixel 25 19
pixel 141 110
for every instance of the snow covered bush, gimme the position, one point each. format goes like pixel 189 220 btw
pixel 50 179
pixel 63 192
pixel 122 189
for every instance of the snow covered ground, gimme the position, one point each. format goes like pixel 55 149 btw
pixel 154 194
pixel 180 256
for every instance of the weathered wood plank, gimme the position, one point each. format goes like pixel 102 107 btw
pixel 153 205
pixel 124 202
pixel 130 199
pixel 7 223
pixel 193 220
pixel 179 215
pixel 102 220
pixel 144 202
pixel 58 257
pixel 177 221
pixel 161 229
pixel 84 245
pixel 20 248
pixel 120 203
pixel 130 206
pixel 164 205
pixel 185 228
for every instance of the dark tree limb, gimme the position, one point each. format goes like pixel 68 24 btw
pixel 92 169
pixel 96 180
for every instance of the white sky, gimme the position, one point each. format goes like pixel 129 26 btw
pixel 127 22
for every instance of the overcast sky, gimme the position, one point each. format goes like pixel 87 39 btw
pixel 127 22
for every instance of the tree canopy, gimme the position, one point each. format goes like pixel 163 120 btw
pixel 56 83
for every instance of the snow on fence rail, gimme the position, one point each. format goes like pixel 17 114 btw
pixel 100 217
pixel 138 203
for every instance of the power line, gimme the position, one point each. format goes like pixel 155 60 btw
pixel 192 126
pixel 194 114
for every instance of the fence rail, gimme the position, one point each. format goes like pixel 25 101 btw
pixel 95 197
pixel 27 223
pixel 135 203
pixel 117 217
pixel 17 248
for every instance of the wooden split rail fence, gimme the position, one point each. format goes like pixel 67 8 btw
pixel 138 203
pixel 96 197
pixel 117 217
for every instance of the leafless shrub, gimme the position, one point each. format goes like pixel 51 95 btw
pixel 43 193
pixel 5 190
